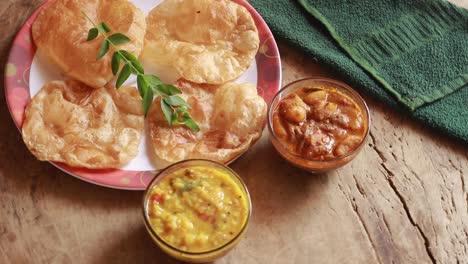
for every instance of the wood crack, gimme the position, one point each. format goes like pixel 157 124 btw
pixel 410 218
pixel 376 149
pixel 332 209
pixel 389 177
pixel 361 222
pixel 358 186
pixel 33 189
pixel 16 215
pixel 387 226
pixel 463 186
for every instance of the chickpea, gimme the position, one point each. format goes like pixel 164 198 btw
pixel 293 109
pixel 314 97
pixel 295 114
pixel 280 130
pixel 331 108
pixel 341 150
pixel 355 117
pixel 347 145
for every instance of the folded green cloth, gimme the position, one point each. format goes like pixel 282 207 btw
pixel 411 54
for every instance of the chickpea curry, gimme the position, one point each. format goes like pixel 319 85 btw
pixel 319 123
pixel 197 209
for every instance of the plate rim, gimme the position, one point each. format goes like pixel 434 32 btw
pixel 24 35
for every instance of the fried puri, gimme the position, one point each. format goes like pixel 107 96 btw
pixel 205 41
pixel 70 122
pixel 60 33
pixel 230 117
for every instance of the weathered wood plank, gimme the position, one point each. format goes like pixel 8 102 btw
pixel 403 200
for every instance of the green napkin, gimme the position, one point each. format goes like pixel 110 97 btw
pixel 411 54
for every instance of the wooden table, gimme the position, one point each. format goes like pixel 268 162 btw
pixel 404 199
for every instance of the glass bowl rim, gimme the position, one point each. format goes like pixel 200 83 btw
pixel 339 86
pixel 202 253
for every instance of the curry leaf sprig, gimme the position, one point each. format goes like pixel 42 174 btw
pixel 174 108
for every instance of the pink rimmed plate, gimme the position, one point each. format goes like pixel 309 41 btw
pixel 26 72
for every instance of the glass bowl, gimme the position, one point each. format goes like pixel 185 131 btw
pixel 317 166
pixel 197 257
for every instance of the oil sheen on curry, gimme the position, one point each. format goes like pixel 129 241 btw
pixel 197 209
pixel 319 123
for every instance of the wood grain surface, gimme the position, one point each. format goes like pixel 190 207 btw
pixel 404 199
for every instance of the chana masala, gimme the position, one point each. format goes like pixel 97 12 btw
pixel 319 123
pixel 197 209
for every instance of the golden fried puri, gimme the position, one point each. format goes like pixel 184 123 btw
pixel 231 119
pixel 60 33
pixel 206 41
pixel 70 122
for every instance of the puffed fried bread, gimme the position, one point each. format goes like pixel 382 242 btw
pixel 60 33
pixel 205 41
pixel 81 126
pixel 230 117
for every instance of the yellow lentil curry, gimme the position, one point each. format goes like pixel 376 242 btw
pixel 197 209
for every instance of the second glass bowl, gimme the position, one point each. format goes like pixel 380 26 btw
pixel 214 253
pixel 317 166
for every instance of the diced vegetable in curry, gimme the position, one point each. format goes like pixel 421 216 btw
pixel 319 123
